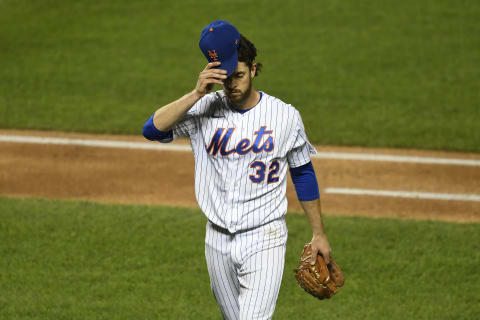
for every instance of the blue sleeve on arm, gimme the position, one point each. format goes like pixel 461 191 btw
pixel 152 133
pixel 305 182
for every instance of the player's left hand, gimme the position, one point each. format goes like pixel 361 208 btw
pixel 320 245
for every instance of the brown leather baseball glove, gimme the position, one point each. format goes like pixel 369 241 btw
pixel 320 280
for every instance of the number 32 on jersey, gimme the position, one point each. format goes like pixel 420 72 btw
pixel 261 171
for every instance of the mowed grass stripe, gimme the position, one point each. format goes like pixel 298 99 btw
pixel 80 260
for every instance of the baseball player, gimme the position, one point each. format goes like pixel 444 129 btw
pixel 243 141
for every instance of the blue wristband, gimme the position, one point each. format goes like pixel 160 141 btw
pixel 152 133
pixel 305 182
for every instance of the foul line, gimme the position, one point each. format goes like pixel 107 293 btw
pixel 392 158
pixel 96 143
pixel 403 194
pixel 177 147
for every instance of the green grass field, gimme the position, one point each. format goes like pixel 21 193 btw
pixel 78 260
pixel 369 73
pixel 374 73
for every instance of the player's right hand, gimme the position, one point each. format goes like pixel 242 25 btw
pixel 209 77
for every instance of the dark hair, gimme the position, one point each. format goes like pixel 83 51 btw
pixel 247 53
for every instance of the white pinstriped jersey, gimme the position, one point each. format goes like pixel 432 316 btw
pixel 241 160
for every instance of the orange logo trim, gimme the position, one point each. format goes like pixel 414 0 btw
pixel 213 55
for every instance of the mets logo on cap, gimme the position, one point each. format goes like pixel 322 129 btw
pixel 213 54
pixel 219 41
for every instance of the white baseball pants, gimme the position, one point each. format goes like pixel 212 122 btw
pixel 246 269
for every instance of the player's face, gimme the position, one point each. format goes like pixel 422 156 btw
pixel 238 86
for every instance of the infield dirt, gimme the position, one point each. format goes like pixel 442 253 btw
pixel 166 177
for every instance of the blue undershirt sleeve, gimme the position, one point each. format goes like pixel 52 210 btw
pixel 305 182
pixel 152 133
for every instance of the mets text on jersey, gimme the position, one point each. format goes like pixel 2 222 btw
pixel 222 136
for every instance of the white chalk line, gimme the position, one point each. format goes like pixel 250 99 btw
pixel 96 143
pixel 392 158
pixel 403 194
pixel 176 147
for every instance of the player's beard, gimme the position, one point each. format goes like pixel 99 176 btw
pixel 239 99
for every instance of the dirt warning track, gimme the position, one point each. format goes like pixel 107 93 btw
pixel 129 169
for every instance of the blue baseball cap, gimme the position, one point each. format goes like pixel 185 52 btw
pixel 219 42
